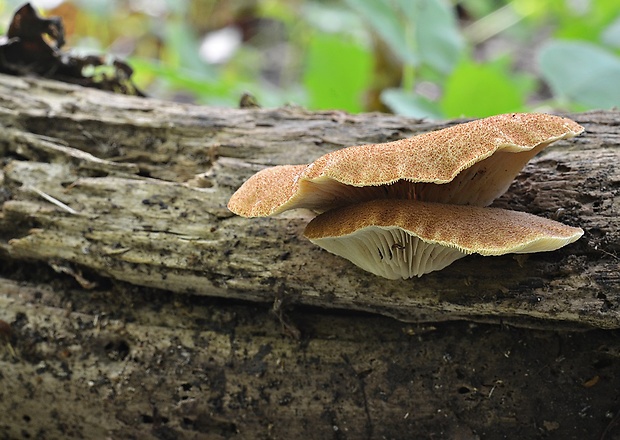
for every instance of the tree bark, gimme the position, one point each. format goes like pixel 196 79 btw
pixel 125 199
pixel 145 185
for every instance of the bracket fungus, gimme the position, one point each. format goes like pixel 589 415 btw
pixel 405 238
pixel 467 164
pixel 399 210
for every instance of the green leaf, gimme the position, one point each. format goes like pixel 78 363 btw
pixel 387 20
pixel 337 73
pixel 483 90
pixel 581 72
pixel 179 78
pixel 419 32
pixel 438 40
pixel 182 47
pixel 405 103
pixel 611 34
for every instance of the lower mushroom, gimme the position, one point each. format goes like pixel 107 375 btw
pixel 398 238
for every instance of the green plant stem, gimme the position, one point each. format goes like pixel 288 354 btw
pixel 408 81
pixel 408 77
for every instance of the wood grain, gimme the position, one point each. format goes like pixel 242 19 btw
pixel 149 184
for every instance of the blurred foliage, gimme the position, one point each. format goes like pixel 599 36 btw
pixel 423 58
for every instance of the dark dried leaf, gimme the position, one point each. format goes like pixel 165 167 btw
pixel 32 46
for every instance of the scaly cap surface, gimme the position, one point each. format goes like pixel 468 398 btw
pixel 471 163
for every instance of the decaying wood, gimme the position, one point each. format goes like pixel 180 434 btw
pixel 114 206
pixel 141 191
pixel 110 363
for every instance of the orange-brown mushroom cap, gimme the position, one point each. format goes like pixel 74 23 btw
pixel 404 238
pixel 471 163
pixel 263 193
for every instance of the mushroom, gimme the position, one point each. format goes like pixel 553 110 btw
pixel 467 164
pixel 404 238
pixel 265 191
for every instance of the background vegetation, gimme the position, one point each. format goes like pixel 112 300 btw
pixel 424 58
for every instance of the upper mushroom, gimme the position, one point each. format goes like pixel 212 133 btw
pixel 471 163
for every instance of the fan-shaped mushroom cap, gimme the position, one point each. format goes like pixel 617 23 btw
pixel 403 238
pixel 263 193
pixel 471 163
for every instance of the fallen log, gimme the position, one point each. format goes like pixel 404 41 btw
pixel 136 190
pixel 134 305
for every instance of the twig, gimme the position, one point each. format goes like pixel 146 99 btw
pixel 54 201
